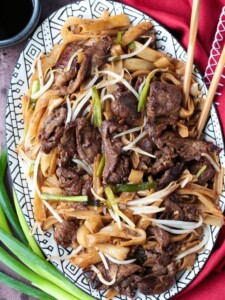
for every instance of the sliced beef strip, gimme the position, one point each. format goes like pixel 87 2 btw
pixel 116 168
pixel 69 180
pixel 62 76
pixel 146 144
pixel 88 140
pixel 52 130
pixel 66 232
pixel 161 235
pixel 127 287
pixel 164 160
pixel 64 58
pixel 125 107
pixel 121 172
pixel 157 284
pixel 94 56
pixel 122 272
pixel 188 148
pixel 67 145
pixel 99 52
pixel 207 175
pixel 178 210
pixel 74 182
pixel 170 175
pixel 163 106
pixel 164 101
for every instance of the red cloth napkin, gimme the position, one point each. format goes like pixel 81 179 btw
pixel 175 16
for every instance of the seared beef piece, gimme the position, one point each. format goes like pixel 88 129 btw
pixel 164 160
pixel 188 148
pixel 155 129
pixel 146 144
pixel 94 56
pixel 152 257
pixel 164 101
pixel 52 129
pixel 69 180
pixel 64 58
pixel 73 182
pixel 177 210
pixel 61 76
pixel 170 175
pixel 66 232
pixel 156 283
pixel 162 237
pixel 123 272
pixel 67 145
pixel 125 107
pixel 88 140
pixel 207 175
pixel 163 105
pixel 127 287
pixel 83 72
pixel 99 52
pixel 116 168
pixel 121 172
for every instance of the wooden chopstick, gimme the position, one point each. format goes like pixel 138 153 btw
pixel 211 93
pixel 190 52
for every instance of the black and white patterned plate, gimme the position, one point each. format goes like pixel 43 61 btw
pixel 43 40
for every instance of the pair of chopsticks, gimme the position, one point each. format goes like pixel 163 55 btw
pixel 188 70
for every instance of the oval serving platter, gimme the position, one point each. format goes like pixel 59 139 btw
pixel 43 40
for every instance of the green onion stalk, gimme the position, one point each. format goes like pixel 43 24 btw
pixel 34 89
pixel 6 204
pixel 31 240
pixel 129 188
pixel 41 267
pixel 97 108
pixel 52 197
pixel 101 166
pixel 42 283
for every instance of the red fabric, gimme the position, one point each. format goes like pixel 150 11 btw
pixel 175 16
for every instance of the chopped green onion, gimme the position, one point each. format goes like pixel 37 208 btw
pixel 41 267
pixel 119 188
pixel 31 241
pixel 35 88
pixel 131 46
pixel 43 284
pixel 24 288
pixel 201 171
pixel 109 193
pixel 3 222
pixel 50 197
pixel 119 38
pixel 144 92
pixel 101 166
pixel 5 202
pixel 97 108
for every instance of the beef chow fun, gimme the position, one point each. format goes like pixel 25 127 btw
pixel 114 157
